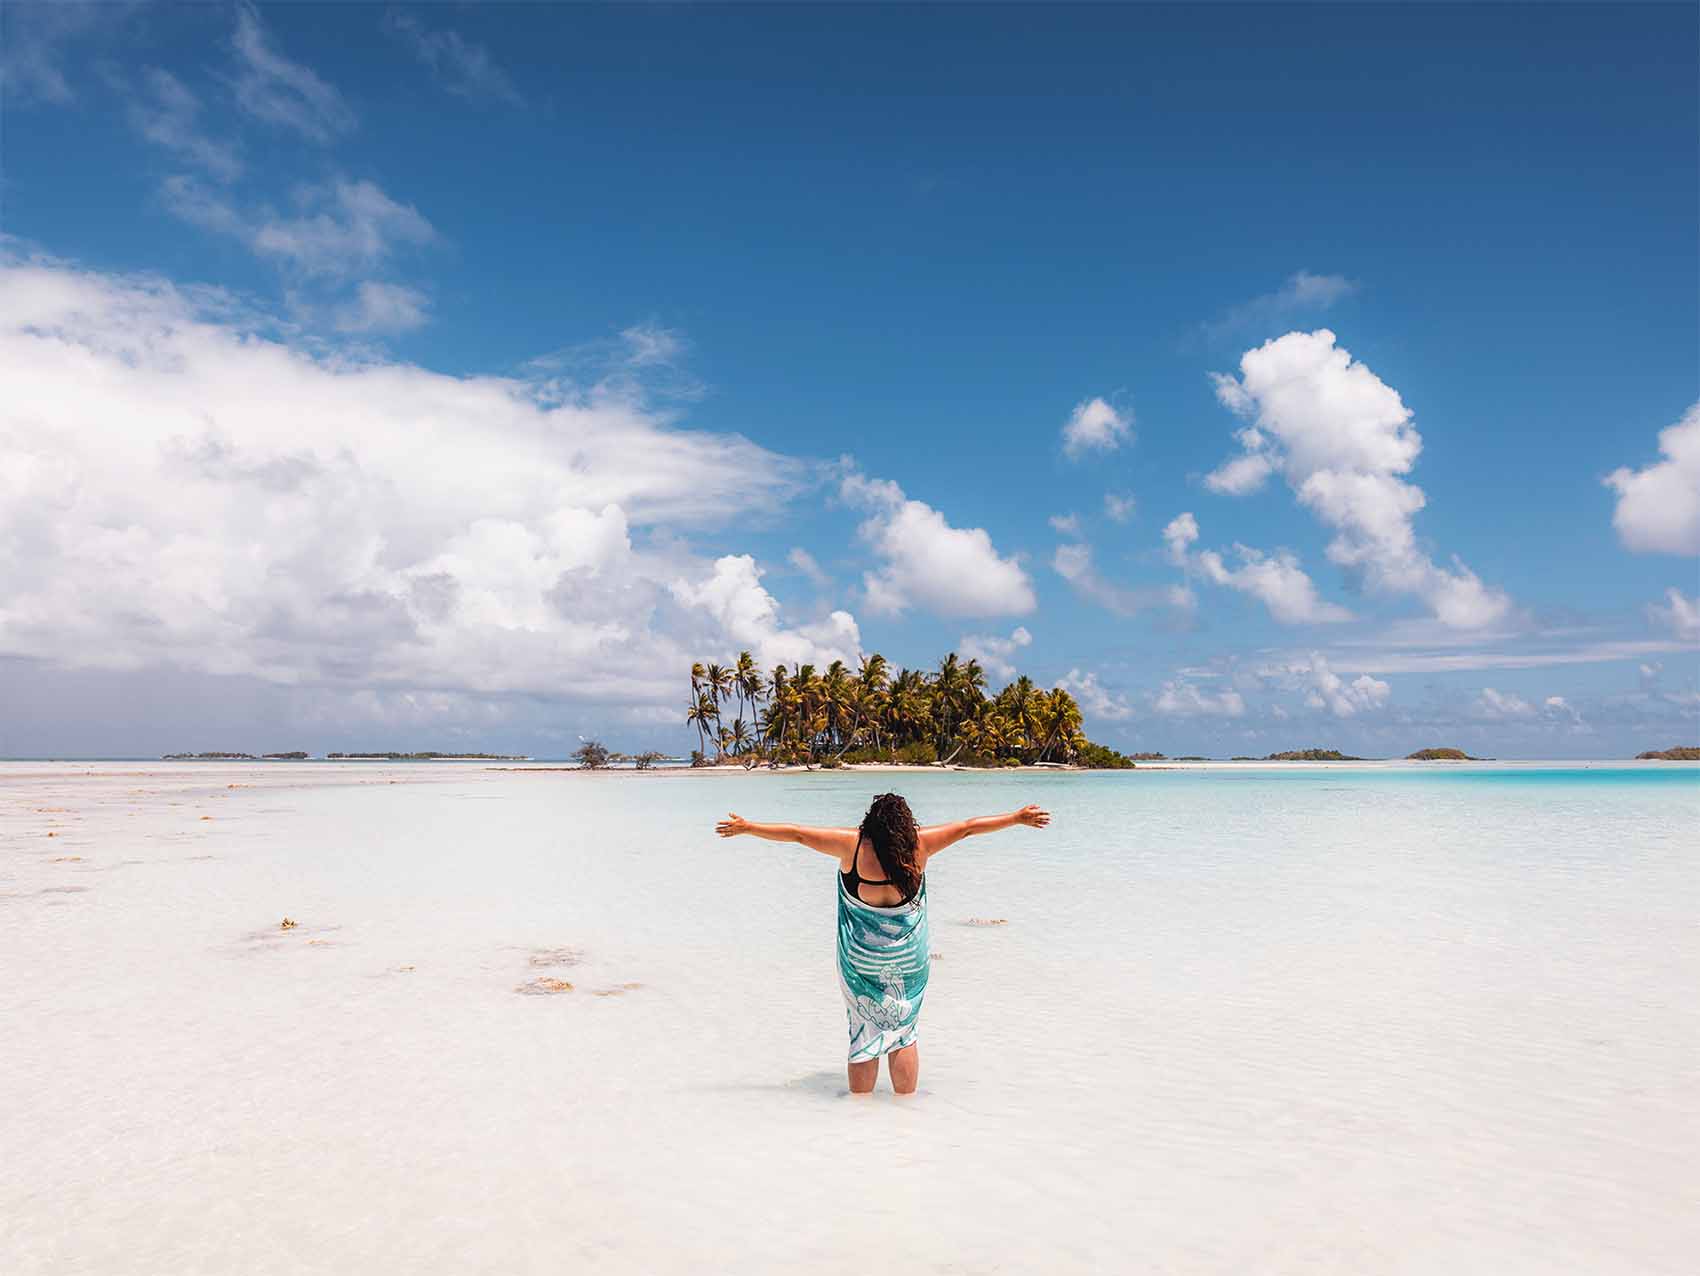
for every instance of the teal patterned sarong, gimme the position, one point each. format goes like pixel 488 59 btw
pixel 883 959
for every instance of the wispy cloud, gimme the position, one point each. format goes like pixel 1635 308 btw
pixel 271 87
pixel 1348 660
pixel 1302 293
pixel 1074 564
pixel 805 563
pixel 462 67
pixel 384 308
pixel 35 36
pixel 342 228
pixel 644 361
pixel 167 114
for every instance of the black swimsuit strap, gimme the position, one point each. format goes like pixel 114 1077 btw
pixel 855 874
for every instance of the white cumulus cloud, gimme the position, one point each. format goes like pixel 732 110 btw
pixel 180 487
pixel 1095 426
pixel 1494 704
pixel 996 655
pixel 1343 438
pixel 1180 698
pixel 1094 699
pixel 1658 508
pixel 1276 580
pixel 733 594
pixel 1680 614
pixel 1324 689
pixel 927 563
pixel 1119 506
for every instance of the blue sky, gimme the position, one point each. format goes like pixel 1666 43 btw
pixel 545 317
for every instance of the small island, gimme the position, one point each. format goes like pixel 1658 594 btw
pixel 838 716
pixel 294 755
pixel 1677 753
pixel 428 756
pixel 1311 755
pixel 210 757
pixel 1441 755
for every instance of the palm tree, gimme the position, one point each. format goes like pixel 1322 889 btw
pixel 1024 703
pixel 947 689
pixel 778 710
pixel 697 675
pixel 1059 716
pixel 719 680
pixel 746 676
pixel 804 715
pixel 871 696
pixel 805 691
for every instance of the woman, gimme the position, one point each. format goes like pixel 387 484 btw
pixel 882 922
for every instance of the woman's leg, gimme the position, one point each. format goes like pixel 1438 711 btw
pixel 905 1068
pixel 863 1074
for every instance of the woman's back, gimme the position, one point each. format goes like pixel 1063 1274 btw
pixel 866 879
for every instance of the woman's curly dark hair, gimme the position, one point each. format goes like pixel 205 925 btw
pixel 889 827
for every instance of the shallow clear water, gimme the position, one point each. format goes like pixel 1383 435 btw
pixel 1298 1019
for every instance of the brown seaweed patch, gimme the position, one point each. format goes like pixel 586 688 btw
pixel 287 932
pixel 621 991
pixel 545 957
pixel 987 921
pixel 66 859
pixel 543 986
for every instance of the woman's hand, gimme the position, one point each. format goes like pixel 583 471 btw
pixel 1032 816
pixel 732 825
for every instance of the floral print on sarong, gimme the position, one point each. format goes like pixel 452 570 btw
pixel 883 961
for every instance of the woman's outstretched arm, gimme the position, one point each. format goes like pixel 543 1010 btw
pixel 935 837
pixel 838 843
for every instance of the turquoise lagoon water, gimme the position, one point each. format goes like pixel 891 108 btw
pixel 1291 1019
